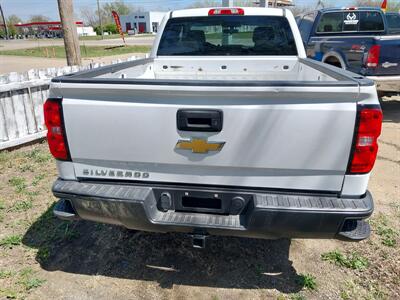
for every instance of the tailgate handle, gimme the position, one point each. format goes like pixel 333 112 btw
pixel 199 120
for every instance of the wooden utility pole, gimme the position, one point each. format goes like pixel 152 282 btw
pixel 71 41
pixel 4 21
pixel 100 23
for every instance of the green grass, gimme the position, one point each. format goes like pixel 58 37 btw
pixel 353 289
pixel 4 156
pixel 307 281
pixel 43 254
pixel 8 293
pixel 297 297
pixel 38 156
pixel 88 51
pixel 5 274
pixel 353 261
pixel 31 283
pixel 28 281
pixel 23 205
pixel 387 234
pixel 37 179
pixel 26 167
pixel 10 241
pixel 258 269
pixel 18 183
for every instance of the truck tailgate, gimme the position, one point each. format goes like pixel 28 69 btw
pixel 272 137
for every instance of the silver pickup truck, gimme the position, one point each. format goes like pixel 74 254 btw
pixel 227 128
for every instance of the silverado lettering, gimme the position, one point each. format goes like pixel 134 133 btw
pixel 113 173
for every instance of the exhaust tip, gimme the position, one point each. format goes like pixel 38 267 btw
pixel 65 211
pixel 199 241
pixel 354 230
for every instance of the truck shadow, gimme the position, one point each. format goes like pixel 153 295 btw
pixel 97 249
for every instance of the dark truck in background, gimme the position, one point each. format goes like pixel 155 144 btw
pixel 355 39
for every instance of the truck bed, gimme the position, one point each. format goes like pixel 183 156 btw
pixel 251 71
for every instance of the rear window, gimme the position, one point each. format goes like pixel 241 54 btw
pixel 227 35
pixel 351 21
pixel 393 21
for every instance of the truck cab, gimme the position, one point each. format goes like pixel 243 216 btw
pixel 355 39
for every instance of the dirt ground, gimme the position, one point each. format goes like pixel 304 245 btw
pixel 42 257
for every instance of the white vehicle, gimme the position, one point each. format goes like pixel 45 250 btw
pixel 132 32
pixel 227 128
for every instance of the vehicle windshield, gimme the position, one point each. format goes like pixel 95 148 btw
pixel 393 21
pixel 227 35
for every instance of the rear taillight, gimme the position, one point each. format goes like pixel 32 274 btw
pixel 373 56
pixel 55 129
pixel 366 140
pixel 226 11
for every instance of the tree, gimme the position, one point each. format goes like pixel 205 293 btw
pixel 38 18
pixel 205 3
pixel 89 16
pixel 300 9
pixel 119 6
pixel 110 28
pixel 392 5
pixel 12 20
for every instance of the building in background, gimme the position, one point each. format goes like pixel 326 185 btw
pixel 50 29
pixel 142 22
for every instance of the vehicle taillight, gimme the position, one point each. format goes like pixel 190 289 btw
pixel 226 11
pixel 373 56
pixel 55 129
pixel 366 140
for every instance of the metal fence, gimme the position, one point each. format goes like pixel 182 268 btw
pixel 21 103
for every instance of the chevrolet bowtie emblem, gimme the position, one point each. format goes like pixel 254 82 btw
pixel 199 145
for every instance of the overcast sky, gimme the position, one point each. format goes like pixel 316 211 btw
pixel 26 8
